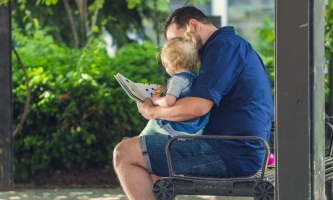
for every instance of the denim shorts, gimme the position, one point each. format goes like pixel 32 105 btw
pixel 188 156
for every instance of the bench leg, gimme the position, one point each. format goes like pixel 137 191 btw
pixel 328 190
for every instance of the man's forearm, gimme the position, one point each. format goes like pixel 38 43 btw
pixel 183 109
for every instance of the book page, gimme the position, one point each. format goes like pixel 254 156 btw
pixel 136 91
pixel 148 90
pixel 128 91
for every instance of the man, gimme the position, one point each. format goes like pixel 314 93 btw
pixel 232 85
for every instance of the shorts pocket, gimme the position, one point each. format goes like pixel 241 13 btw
pixel 216 168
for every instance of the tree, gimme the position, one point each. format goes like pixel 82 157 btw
pixel 84 18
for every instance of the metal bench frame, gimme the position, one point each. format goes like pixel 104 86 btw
pixel 329 162
pixel 257 186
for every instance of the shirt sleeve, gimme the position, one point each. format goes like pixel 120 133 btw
pixel 176 85
pixel 220 66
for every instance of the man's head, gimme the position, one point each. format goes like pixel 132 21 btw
pixel 190 16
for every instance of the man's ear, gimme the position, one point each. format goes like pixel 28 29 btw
pixel 194 25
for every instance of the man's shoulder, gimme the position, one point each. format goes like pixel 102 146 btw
pixel 227 29
pixel 229 35
pixel 227 39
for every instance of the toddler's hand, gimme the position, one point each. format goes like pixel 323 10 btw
pixel 155 97
pixel 158 91
pixel 161 87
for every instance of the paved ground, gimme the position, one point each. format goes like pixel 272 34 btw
pixel 89 194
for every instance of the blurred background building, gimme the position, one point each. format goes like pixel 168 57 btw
pixel 244 15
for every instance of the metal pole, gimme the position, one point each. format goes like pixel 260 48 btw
pixel 6 172
pixel 299 108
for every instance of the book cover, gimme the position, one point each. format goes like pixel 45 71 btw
pixel 136 91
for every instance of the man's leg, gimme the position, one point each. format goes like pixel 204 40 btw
pixel 131 169
pixel 154 177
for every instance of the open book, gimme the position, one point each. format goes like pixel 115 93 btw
pixel 136 91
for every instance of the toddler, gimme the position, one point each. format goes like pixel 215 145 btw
pixel 179 57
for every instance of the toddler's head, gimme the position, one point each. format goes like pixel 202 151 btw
pixel 180 54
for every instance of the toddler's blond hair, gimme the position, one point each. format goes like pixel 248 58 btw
pixel 180 53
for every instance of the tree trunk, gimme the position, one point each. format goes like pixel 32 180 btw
pixel 71 21
pixel 82 6
pixel 162 70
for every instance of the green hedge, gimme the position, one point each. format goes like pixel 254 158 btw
pixel 78 112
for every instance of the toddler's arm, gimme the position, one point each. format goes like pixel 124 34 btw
pixel 165 101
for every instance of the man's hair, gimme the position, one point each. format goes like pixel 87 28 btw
pixel 182 16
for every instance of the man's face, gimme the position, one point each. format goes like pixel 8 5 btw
pixel 172 32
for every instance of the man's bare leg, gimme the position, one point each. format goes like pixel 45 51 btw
pixel 154 177
pixel 131 169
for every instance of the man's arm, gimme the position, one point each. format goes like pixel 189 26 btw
pixel 184 109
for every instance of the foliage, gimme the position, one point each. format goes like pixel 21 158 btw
pixel 266 48
pixel 78 112
pixel 161 4
pixel 3 2
pixel 328 29
pixel 117 17
pixel 329 50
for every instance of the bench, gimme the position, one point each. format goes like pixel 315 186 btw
pixel 260 186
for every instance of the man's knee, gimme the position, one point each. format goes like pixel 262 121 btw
pixel 118 154
pixel 127 152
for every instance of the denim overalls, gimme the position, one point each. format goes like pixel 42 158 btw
pixel 189 127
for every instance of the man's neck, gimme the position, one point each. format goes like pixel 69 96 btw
pixel 207 31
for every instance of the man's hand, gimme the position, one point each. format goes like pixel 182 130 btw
pixel 146 108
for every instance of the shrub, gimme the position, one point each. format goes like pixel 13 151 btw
pixel 78 112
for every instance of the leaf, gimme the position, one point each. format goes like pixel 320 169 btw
pixel 36 23
pixel 132 3
pixel 28 26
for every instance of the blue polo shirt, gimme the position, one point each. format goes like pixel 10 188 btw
pixel 233 76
